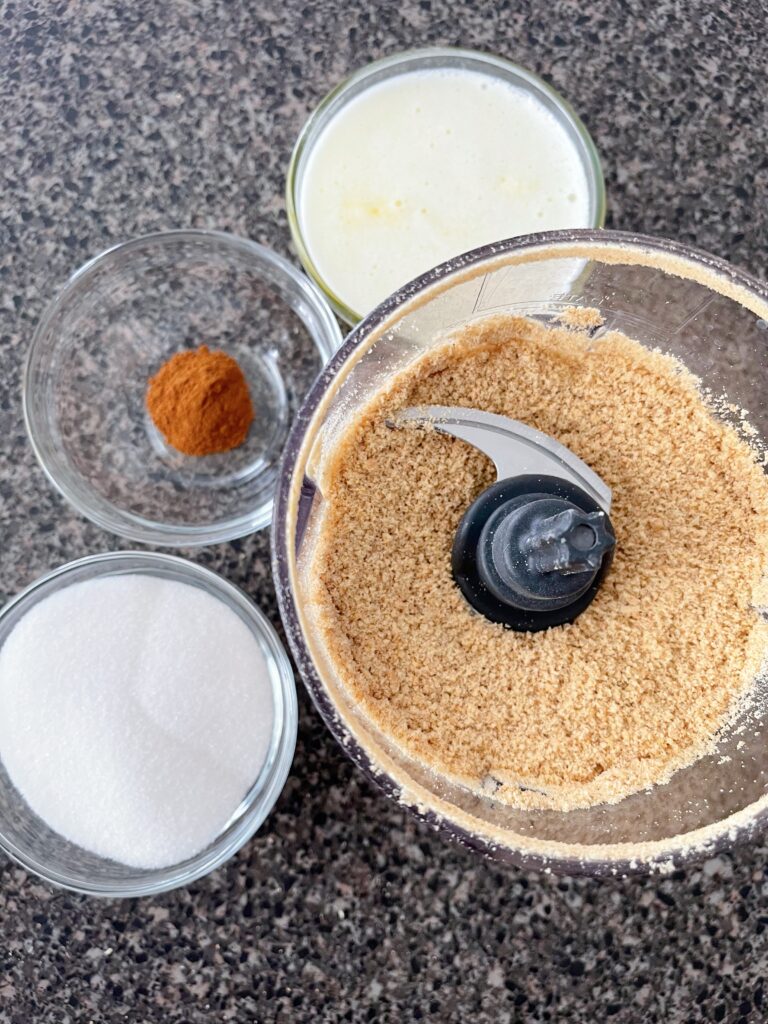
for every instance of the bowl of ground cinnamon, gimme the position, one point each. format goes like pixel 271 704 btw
pixel 630 738
pixel 162 381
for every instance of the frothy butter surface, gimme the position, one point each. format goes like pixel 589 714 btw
pixel 425 166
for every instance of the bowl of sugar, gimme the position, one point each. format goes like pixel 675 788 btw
pixel 147 723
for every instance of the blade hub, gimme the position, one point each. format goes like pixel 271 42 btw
pixel 532 550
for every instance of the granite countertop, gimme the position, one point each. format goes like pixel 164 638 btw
pixel 120 118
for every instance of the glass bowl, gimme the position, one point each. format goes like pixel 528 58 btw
pixel 711 316
pixel 116 321
pixel 27 838
pixel 420 60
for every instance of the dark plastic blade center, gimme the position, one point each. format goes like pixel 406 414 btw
pixel 531 552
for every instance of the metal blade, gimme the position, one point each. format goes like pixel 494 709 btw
pixel 515 448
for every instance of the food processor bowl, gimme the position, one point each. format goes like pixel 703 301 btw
pixel 714 319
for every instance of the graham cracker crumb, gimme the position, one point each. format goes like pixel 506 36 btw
pixel 643 680
pixel 581 317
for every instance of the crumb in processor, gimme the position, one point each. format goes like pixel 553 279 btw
pixel 639 685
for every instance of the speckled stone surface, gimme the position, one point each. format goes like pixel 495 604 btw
pixel 118 118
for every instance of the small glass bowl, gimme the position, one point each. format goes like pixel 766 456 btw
pixel 421 60
pixel 26 838
pixel 116 321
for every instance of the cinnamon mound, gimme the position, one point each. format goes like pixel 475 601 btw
pixel 199 401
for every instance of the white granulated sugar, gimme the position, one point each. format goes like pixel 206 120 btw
pixel 135 714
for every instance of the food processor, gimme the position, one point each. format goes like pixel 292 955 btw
pixel 714 320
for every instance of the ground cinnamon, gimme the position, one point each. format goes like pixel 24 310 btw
pixel 199 401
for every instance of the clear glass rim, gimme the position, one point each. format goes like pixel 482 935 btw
pixel 261 799
pixel 310 131
pixel 656 855
pixel 83 498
